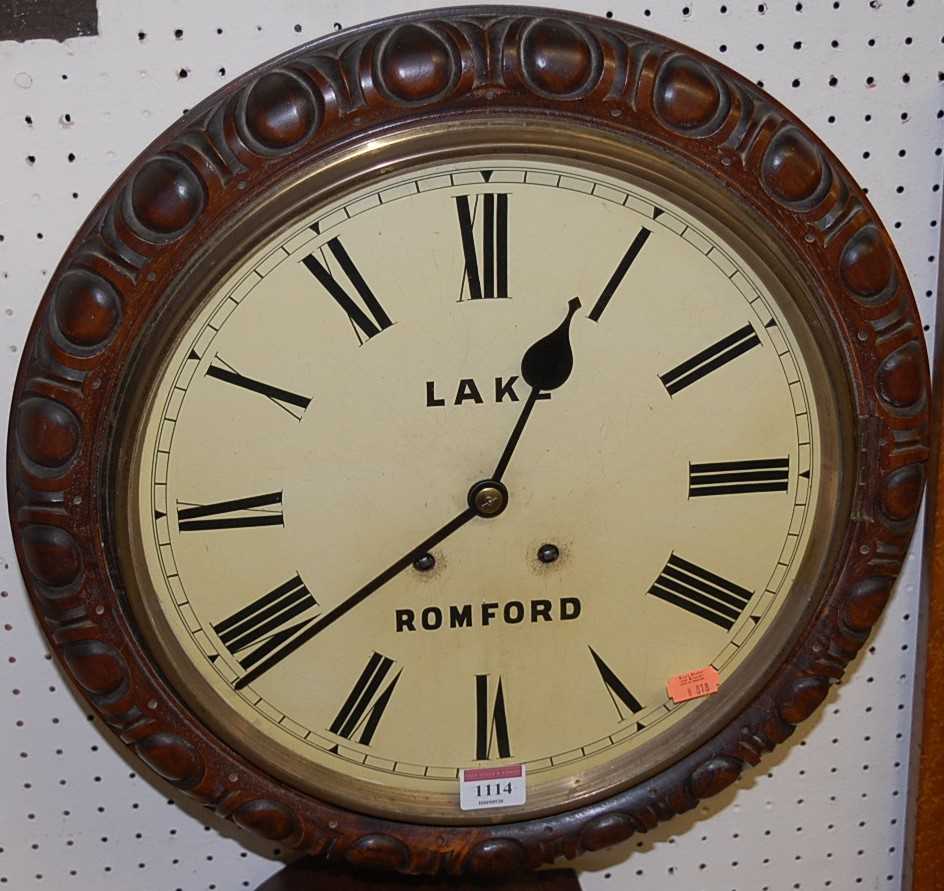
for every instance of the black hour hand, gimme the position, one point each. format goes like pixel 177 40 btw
pixel 545 366
pixel 547 363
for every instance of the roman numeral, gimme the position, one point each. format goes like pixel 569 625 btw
pixel 366 321
pixel 492 280
pixel 616 688
pixel 617 277
pixel 246 511
pixel 700 592
pixel 491 724
pixel 262 625
pixel 365 704
pixel 737 477
pixel 289 402
pixel 710 359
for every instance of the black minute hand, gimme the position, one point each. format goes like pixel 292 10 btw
pixel 545 366
pixel 357 597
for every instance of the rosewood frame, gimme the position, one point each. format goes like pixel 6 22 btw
pixel 264 127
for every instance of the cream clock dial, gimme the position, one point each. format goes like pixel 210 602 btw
pixel 461 468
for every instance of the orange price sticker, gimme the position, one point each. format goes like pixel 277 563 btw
pixel 693 684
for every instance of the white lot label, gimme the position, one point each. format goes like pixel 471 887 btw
pixel 486 787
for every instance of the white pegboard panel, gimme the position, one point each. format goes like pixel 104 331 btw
pixel 828 811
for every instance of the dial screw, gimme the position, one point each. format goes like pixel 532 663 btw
pixel 424 563
pixel 548 553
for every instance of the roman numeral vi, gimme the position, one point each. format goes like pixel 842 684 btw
pixel 491 721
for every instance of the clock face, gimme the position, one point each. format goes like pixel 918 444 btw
pixel 461 468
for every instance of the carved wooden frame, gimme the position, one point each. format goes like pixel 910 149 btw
pixel 250 136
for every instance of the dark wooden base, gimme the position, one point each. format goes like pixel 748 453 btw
pixel 308 876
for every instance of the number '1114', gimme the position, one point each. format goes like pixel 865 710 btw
pixel 490 789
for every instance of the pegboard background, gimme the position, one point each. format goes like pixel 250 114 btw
pixel 829 811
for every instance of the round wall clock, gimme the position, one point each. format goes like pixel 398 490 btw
pixel 469 439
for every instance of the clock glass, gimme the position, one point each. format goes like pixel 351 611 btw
pixel 464 459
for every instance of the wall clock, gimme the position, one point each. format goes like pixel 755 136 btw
pixel 435 396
